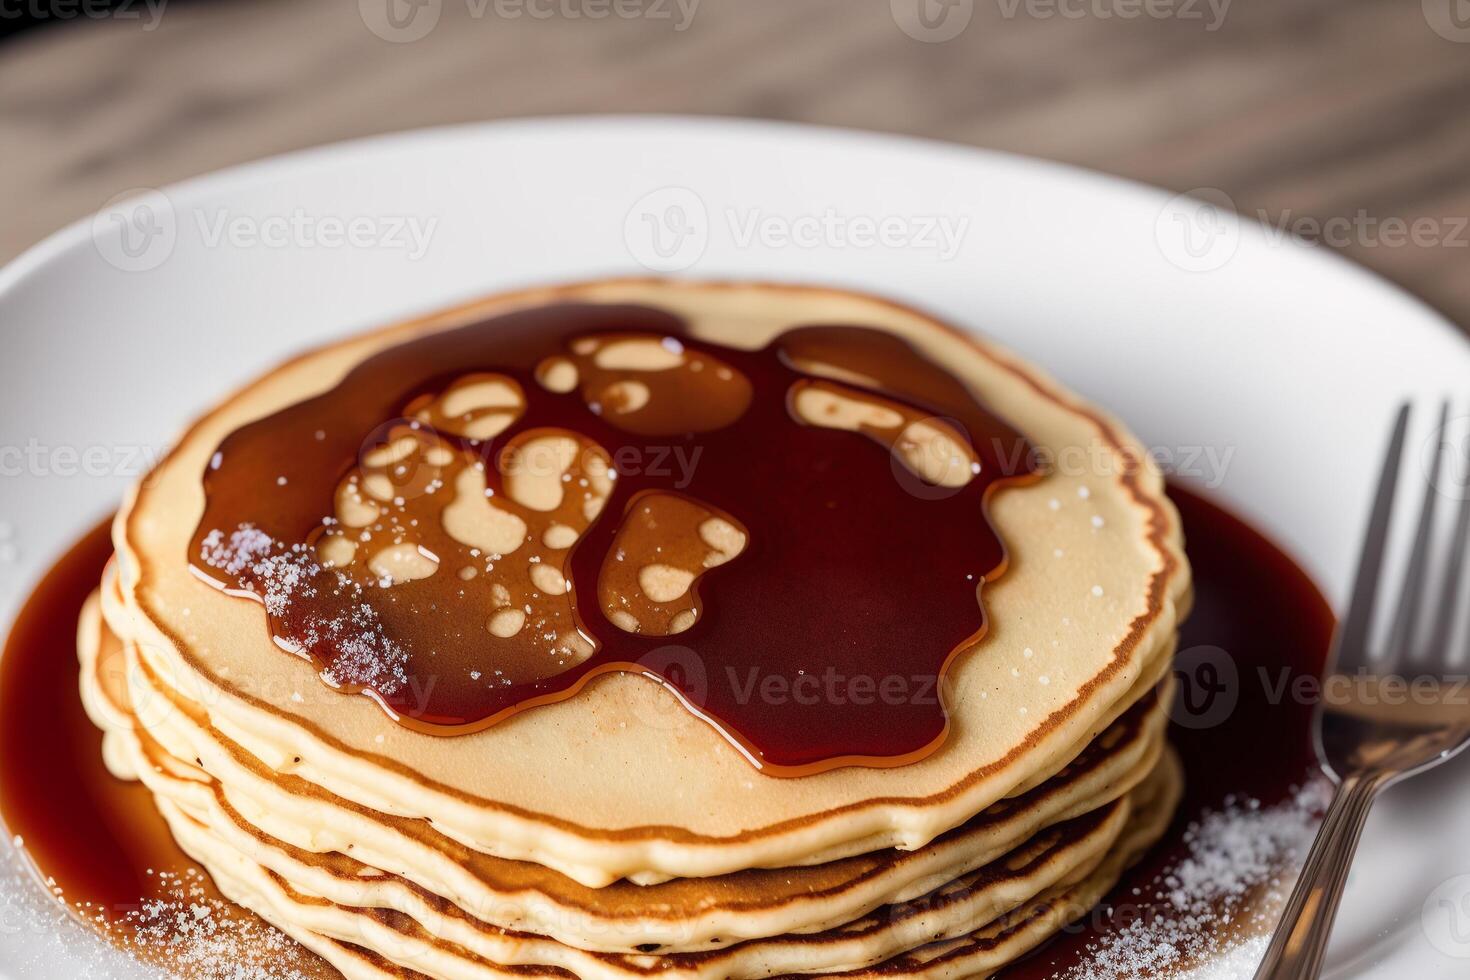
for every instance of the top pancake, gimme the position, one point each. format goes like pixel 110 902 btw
pixel 622 780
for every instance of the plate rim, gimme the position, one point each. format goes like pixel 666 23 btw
pixel 76 233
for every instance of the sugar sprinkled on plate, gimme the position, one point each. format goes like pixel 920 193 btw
pixel 1206 916
pixel 182 933
pixel 203 938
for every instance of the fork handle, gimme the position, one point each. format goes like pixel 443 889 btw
pixel 1300 940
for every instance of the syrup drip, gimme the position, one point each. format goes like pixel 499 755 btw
pixel 857 567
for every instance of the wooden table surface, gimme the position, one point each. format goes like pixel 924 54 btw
pixel 1301 110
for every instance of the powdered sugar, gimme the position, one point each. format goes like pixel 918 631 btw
pixel 1207 915
pixel 200 938
pixel 278 575
pixel 361 653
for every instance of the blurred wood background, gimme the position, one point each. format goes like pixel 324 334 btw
pixel 1355 110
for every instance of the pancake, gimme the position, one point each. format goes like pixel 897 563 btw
pixel 677 916
pixel 621 780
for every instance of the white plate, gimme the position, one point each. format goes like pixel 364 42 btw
pixel 1277 352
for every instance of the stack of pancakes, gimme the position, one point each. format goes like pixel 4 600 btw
pixel 616 833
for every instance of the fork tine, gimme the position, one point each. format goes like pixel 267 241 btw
pixel 1411 595
pixel 1352 644
pixel 1444 624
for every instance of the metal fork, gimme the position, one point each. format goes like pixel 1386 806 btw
pixel 1364 743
